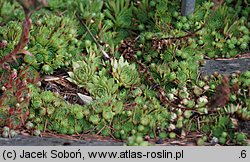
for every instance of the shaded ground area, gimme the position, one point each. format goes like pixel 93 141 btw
pixel 226 66
pixel 22 140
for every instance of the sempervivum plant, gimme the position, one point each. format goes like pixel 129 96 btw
pixel 10 10
pixel 124 73
pixel 59 115
pixel 102 87
pixel 245 79
pixel 53 41
pixel 82 73
pixel 10 35
pixel 137 140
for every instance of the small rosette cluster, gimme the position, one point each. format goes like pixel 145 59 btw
pixel 82 73
pixel 124 73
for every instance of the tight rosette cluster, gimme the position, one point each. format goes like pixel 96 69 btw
pixel 82 73
pixel 124 73
pixel 102 87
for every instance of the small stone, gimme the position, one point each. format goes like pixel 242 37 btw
pixel 214 141
pixel 159 141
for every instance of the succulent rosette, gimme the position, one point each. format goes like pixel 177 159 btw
pixel 102 87
pixel 124 73
pixel 82 73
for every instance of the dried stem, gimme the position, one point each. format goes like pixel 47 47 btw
pixel 98 44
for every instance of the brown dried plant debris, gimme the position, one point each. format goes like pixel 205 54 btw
pixel 221 96
pixel 58 84
pixel 217 4
pixel 127 48
pixel 30 5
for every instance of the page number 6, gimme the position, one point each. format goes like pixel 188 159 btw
pixel 243 154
